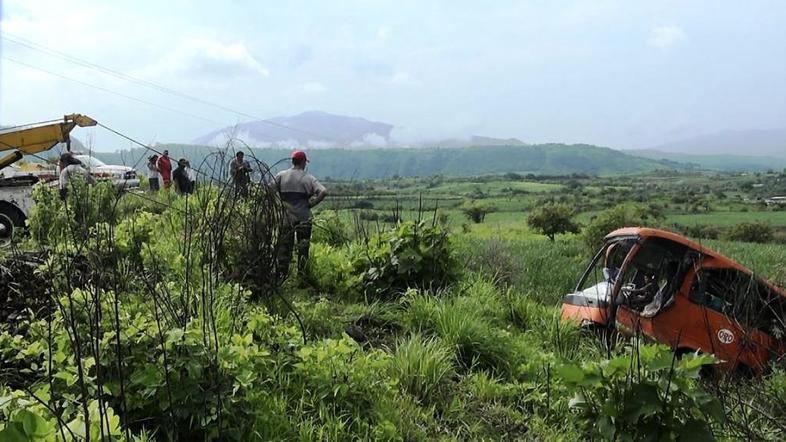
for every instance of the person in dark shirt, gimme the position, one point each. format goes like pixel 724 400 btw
pixel 239 170
pixel 181 179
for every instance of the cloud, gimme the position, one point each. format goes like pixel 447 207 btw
pixel 207 59
pixel 383 32
pixel 312 87
pixel 664 37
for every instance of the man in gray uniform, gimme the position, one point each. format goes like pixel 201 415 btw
pixel 300 191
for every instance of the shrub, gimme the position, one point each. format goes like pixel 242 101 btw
pixel 337 375
pixel 495 259
pixel 477 212
pixel 329 228
pixel 757 232
pixel 552 219
pixel 422 366
pixel 86 206
pixel 699 231
pixel 616 217
pixel 476 342
pixel 407 255
pixel 421 310
pixel 330 271
pixel 363 204
pixel 647 392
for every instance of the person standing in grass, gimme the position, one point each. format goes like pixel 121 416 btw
pixel 152 173
pixel 240 171
pixel 300 191
pixel 165 169
pixel 180 178
pixel 192 178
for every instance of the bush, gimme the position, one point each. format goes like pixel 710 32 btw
pixel 496 260
pixel 647 392
pixel 338 376
pixel 363 204
pixel 699 231
pixel 477 212
pixel 616 217
pixel 329 228
pixel 422 366
pixel 757 232
pixel 552 219
pixel 408 255
pixel 330 271
pixel 477 343
pixel 86 206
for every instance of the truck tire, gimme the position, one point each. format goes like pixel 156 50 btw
pixel 10 220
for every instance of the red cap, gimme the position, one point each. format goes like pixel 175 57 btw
pixel 299 155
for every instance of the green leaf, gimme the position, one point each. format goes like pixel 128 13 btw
pixel 714 409
pixel 13 432
pixel 571 373
pixel 33 424
pixel 617 366
pixel 643 400
pixel 695 431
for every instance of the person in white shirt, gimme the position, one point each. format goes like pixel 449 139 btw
pixel 153 173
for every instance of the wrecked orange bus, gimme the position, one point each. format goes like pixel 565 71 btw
pixel 672 290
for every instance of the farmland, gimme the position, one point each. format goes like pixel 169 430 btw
pixel 416 321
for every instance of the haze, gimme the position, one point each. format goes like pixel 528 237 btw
pixel 615 73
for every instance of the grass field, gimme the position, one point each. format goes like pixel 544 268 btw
pixel 448 330
pixel 726 219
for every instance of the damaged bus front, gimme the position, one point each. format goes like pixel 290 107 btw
pixel 671 290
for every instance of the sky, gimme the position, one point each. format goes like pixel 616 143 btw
pixel 618 73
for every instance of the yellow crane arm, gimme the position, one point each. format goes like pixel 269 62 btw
pixel 33 139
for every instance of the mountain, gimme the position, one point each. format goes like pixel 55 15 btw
pixel 472 141
pixel 318 129
pixel 719 162
pixel 312 129
pixel 542 159
pixel 732 142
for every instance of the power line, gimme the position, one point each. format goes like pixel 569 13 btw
pixel 110 91
pixel 120 75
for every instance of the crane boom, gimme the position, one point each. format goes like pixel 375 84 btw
pixel 35 138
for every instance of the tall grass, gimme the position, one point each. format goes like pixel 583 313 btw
pixel 422 366
pixel 477 343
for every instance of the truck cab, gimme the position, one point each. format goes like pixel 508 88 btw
pixel 16 191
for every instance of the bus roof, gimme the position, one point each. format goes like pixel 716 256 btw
pixel 721 260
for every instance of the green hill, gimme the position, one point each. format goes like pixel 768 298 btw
pixel 545 159
pixel 720 162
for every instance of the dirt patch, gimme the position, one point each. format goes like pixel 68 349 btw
pixel 373 332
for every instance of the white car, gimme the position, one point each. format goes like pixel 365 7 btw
pixel 123 176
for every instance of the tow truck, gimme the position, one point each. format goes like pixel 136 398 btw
pixel 16 200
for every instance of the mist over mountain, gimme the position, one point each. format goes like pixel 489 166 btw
pixel 731 142
pixel 316 129
pixel 310 129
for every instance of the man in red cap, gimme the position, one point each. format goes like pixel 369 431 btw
pixel 300 191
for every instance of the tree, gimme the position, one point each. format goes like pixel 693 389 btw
pixel 758 232
pixel 552 219
pixel 477 212
pixel 629 215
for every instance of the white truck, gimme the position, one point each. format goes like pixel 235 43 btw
pixel 16 200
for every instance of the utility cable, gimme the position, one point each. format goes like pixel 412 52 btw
pixel 84 83
pixel 84 63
